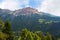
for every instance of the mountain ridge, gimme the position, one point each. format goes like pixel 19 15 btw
pixel 23 11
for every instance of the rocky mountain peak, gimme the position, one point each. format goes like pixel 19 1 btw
pixel 25 11
pixel 29 9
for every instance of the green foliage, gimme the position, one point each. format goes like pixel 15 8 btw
pixel 49 22
pixel 41 20
pixel 58 38
pixel 24 34
pixel 49 36
pixel 7 29
pixel 6 33
pixel 27 35
pixel 40 34
pixel 36 37
pixel 1 24
pixel 2 36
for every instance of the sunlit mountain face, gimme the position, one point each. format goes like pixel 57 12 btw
pixel 25 11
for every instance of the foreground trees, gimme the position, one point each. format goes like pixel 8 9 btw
pixel 6 32
pixel 27 35
pixel 7 29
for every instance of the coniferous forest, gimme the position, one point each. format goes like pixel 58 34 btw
pixel 7 33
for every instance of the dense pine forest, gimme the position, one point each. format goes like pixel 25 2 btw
pixel 7 33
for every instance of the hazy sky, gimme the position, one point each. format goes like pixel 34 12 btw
pixel 49 6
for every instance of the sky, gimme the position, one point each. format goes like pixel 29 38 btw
pixel 48 6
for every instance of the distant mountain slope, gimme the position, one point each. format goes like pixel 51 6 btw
pixel 25 11
pixel 32 19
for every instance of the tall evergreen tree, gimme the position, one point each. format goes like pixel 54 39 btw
pixel 7 29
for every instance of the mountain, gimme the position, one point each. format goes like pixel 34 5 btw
pixel 32 19
pixel 4 11
pixel 25 11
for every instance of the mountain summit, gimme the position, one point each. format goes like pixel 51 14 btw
pixel 25 11
pixel 29 9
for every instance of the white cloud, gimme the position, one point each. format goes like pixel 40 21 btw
pixel 9 4
pixel 25 2
pixel 51 6
pixel 13 4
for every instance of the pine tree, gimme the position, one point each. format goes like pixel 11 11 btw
pixel 29 36
pixel 48 37
pixel 7 29
pixel 36 37
pixel 41 35
pixel 23 34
